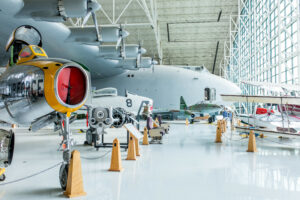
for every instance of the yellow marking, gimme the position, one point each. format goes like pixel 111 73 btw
pixel 49 83
pixel 2 171
pixel 33 54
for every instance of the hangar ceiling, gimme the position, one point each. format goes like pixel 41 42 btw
pixel 176 32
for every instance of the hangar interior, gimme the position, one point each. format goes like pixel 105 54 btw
pixel 181 32
pixel 149 99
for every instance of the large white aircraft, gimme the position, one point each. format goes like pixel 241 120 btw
pixel 108 68
pixel 36 22
pixel 166 84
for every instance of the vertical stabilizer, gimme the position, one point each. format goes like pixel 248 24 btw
pixel 183 105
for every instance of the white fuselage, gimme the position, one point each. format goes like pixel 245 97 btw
pixel 131 103
pixel 165 85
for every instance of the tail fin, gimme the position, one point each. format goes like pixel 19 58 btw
pixel 183 105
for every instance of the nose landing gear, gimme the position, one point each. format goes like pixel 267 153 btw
pixel 64 168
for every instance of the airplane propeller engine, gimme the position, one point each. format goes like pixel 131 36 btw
pixel 120 117
pixel 92 6
pixel 87 35
pixel 100 117
pixel 7 142
pixel 121 42
pixel 139 55
pixel 58 10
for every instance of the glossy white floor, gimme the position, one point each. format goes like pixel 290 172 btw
pixel 189 165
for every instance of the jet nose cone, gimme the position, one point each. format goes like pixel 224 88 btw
pixel 125 34
pixel 234 89
pixel 143 51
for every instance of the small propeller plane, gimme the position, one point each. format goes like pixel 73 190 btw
pixel 268 120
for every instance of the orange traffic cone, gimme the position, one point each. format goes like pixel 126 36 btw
pixel 75 181
pixel 218 135
pixel 155 125
pixel 137 146
pixel 223 126
pixel 252 143
pixel 131 154
pixel 186 122
pixel 219 123
pixel 145 138
pixel 239 122
pixel 115 163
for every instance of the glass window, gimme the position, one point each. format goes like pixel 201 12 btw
pixel 25 53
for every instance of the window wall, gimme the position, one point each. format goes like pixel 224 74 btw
pixel 263 45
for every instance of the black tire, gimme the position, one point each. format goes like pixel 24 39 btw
pixel 210 120
pixel 63 176
pixel 2 177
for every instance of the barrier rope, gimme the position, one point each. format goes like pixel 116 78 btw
pixel 233 139
pixel 32 175
pixel 95 158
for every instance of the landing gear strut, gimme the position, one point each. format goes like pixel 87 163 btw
pixel 64 168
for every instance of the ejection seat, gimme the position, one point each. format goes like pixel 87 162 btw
pixel 155 134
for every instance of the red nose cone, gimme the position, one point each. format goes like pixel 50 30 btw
pixel 71 85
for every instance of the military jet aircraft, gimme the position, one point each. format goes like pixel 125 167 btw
pixel 36 88
pixel 196 111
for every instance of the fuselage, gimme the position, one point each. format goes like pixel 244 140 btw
pixel 130 103
pixel 36 88
pixel 165 85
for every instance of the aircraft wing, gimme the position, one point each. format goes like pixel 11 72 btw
pixel 104 59
pixel 261 99
pixel 274 86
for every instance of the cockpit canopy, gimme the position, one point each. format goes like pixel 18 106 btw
pixel 30 52
pixel 105 92
pixel 26 35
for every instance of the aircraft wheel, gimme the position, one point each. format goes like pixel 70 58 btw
pixel 2 177
pixel 63 176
